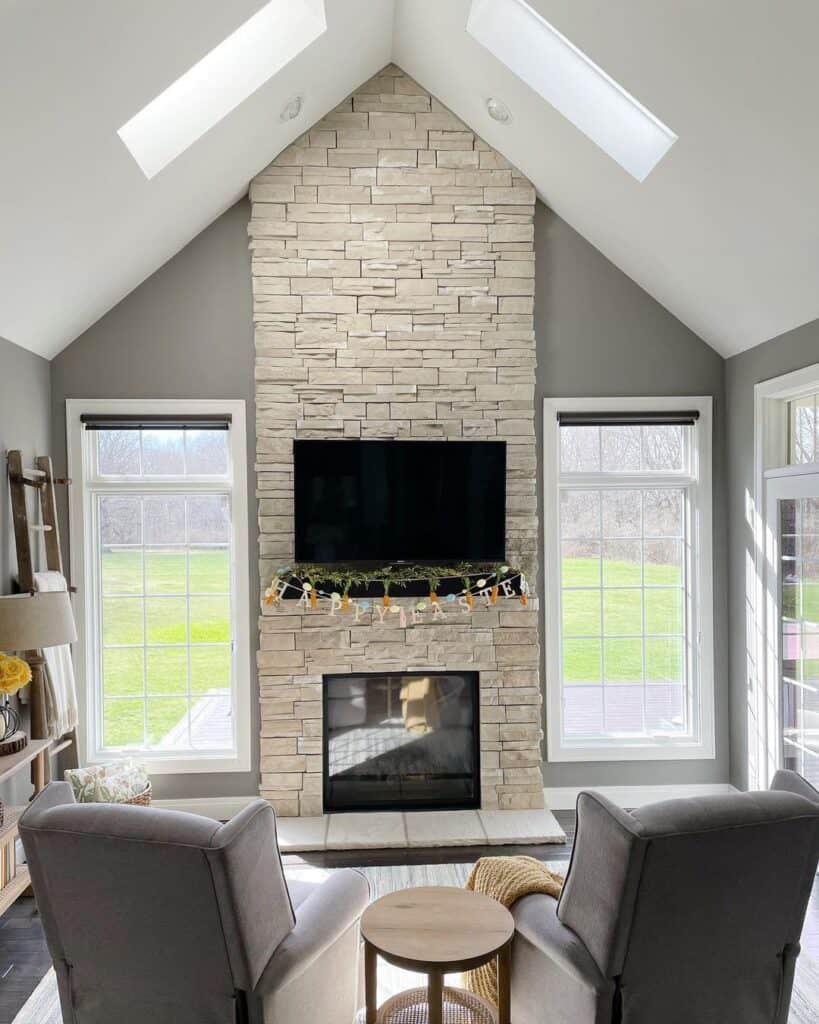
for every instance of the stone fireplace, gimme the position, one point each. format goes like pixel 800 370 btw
pixel 393 284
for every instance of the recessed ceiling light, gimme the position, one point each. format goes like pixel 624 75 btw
pixel 292 109
pixel 221 80
pixel 565 77
pixel 498 110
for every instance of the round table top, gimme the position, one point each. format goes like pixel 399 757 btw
pixel 437 928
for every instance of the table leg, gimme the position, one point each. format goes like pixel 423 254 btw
pixel 504 986
pixel 370 982
pixel 435 997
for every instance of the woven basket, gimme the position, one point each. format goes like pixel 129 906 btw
pixel 459 1007
pixel 142 799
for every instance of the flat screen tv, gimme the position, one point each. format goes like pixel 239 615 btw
pixel 399 501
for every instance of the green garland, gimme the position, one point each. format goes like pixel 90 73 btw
pixel 346 577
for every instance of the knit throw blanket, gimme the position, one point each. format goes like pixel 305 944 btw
pixel 506 879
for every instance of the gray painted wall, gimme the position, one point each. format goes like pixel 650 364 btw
pixel 788 352
pixel 600 334
pixel 186 332
pixel 25 415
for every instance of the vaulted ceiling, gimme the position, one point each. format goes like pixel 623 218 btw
pixel 724 232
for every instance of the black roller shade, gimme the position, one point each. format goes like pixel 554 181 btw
pixel 684 418
pixel 161 421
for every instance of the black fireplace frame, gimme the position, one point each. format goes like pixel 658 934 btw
pixel 473 804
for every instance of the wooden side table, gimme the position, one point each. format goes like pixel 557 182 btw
pixel 438 930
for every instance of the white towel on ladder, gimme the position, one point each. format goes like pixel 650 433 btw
pixel 60 689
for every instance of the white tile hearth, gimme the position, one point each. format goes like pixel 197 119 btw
pixel 302 835
pixel 448 828
pixel 521 826
pixel 373 831
pixel 398 830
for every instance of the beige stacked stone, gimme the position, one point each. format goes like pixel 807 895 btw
pixel 393 283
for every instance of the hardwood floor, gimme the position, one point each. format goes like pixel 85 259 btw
pixel 24 956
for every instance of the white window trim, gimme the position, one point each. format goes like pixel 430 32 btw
pixel 764 707
pixel 82 575
pixel 702 746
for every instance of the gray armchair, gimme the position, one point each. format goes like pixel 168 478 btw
pixel 157 917
pixel 681 912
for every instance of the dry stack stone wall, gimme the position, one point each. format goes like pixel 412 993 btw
pixel 393 283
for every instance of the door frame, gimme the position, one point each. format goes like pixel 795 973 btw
pixel 761 678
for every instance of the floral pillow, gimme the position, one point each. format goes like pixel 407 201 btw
pixel 114 783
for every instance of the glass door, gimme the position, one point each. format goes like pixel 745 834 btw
pixel 793 594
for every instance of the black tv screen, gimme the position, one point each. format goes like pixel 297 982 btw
pixel 400 501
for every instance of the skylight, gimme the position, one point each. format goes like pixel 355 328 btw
pixel 574 85
pixel 221 80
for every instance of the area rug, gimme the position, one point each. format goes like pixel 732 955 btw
pixel 43 1006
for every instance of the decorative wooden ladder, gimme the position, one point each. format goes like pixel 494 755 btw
pixel 41 479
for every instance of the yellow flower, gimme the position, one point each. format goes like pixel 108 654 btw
pixel 14 674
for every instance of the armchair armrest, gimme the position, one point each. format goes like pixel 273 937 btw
pixel 321 920
pixel 313 975
pixel 791 782
pixel 55 794
pixel 598 898
pixel 554 977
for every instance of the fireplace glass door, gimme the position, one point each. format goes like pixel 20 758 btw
pixel 401 741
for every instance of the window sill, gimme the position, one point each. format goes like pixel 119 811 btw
pixel 678 750
pixel 182 765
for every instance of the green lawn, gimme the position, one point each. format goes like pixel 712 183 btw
pixel 622 613
pixel 161 618
pixel 801 601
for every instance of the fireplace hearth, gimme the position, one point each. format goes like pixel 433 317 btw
pixel 401 741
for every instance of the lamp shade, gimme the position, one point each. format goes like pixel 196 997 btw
pixel 31 621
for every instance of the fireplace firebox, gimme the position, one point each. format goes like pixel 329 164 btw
pixel 401 741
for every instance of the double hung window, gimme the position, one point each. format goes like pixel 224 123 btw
pixel 628 521
pixel 162 523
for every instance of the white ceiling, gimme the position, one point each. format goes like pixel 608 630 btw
pixel 724 232
pixel 80 225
